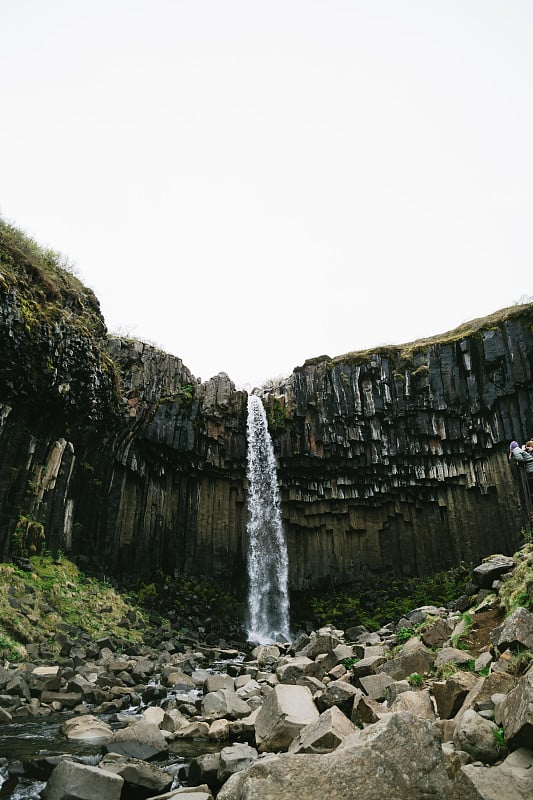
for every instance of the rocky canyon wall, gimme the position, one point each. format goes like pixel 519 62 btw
pixel 396 460
pixel 391 462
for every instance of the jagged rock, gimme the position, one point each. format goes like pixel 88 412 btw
pixel 416 702
pixel 375 686
pixel 72 780
pixel 516 631
pixel 475 735
pixel 87 728
pixel 234 759
pixel 355 768
pixel 142 740
pixel 323 641
pixel 439 633
pixel 137 774
pixel 218 681
pixel 219 730
pixel 338 693
pixel 419 660
pixel 490 570
pixel 224 703
pixel 515 713
pixel 293 670
pixel 268 653
pixel 173 720
pixel 285 711
pixel 451 655
pixel 194 730
pixel 204 769
pixel 368 666
pixel 450 694
pixel 512 779
pixel 324 735
pixel 366 710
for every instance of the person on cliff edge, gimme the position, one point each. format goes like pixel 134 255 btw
pixel 524 461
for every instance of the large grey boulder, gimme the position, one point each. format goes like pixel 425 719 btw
pixel 87 728
pixel 515 631
pixel 476 736
pixel 73 781
pixel 324 735
pixel 450 694
pixel 136 773
pixel 235 758
pixel 417 702
pixel 224 703
pixel 419 660
pixel 323 641
pixel 490 570
pixel 293 669
pixel 510 780
pixel 515 713
pixel 141 740
pixel 398 757
pixel 337 693
pixel 285 711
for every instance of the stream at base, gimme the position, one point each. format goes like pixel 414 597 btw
pixel 26 743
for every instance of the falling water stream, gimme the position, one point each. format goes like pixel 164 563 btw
pixel 268 565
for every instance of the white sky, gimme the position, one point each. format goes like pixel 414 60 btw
pixel 250 183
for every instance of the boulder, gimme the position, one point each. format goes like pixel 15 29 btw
pixel 490 570
pixel 324 735
pixel 224 703
pixel 337 693
pixel 450 694
pixel 512 779
pixel 72 780
pixel 475 735
pixel 137 774
pixel 361 767
pixel 87 728
pixel 418 660
pixel 293 670
pixel 516 631
pixel 417 702
pixel 141 740
pixel 375 686
pixel 234 759
pixel 286 710
pixel 515 713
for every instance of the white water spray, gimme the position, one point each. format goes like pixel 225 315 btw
pixel 268 564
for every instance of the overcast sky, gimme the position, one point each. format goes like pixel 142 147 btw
pixel 251 183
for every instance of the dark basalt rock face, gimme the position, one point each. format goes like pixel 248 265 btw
pixel 392 461
pixel 396 461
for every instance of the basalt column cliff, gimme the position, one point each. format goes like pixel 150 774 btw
pixel 396 460
pixel 392 461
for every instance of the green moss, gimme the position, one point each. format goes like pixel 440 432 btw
pixel 55 593
pixel 28 538
pixel 276 412
pixel 518 589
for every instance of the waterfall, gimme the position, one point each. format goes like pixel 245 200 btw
pixel 268 564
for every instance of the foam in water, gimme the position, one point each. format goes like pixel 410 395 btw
pixel 268 564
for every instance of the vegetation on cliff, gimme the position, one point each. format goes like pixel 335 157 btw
pixel 52 334
pixel 53 596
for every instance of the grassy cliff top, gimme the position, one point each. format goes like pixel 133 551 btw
pixel 406 351
pixel 45 284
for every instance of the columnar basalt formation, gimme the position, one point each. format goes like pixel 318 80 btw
pixel 392 461
pixel 396 460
